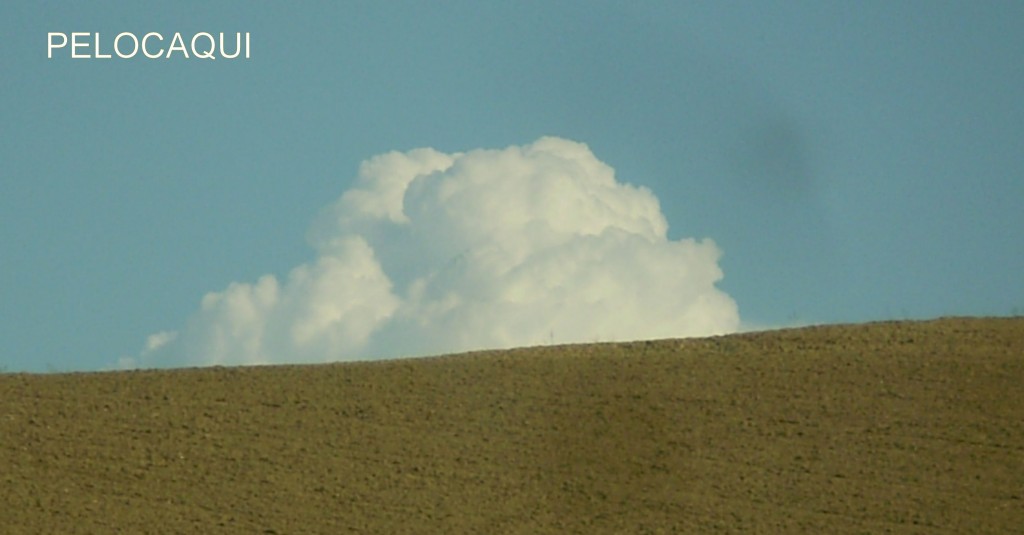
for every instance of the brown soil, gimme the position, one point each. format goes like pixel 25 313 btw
pixel 899 427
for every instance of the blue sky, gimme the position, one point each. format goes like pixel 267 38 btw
pixel 851 161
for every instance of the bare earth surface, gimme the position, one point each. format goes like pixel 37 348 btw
pixel 898 427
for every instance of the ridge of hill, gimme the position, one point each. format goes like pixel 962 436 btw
pixel 900 427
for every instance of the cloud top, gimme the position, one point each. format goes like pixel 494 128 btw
pixel 432 253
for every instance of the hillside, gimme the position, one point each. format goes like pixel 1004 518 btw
pixel 899 427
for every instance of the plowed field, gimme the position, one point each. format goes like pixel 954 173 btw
pixel 897 427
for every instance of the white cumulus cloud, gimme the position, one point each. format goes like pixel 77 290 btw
pixel 431 253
